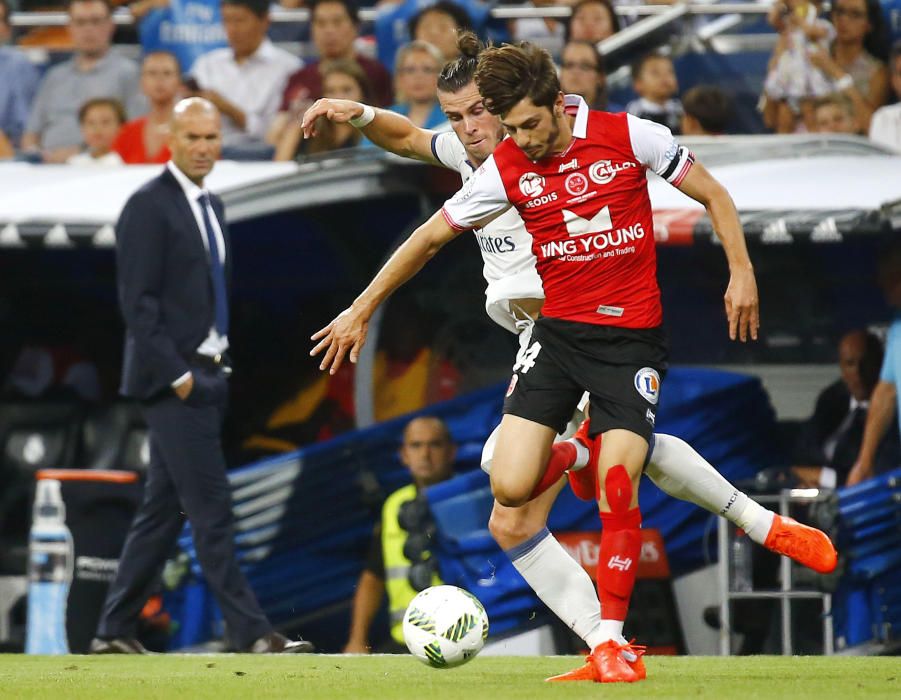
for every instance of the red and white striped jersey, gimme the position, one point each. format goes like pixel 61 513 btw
pixel 588 212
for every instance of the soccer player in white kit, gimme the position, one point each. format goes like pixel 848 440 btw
pixel 513 297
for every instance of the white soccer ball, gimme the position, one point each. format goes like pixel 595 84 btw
pixel 445 626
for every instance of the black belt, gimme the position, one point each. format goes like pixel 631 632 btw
pixel 215 362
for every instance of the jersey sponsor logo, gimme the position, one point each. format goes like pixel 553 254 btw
pixel 618 562
pixel 577 226
pixel 531 184
pixel 576 184
pixel 603 171
pixel 589 246
pixel 572 165
pixel 543 199
pixel 496 244
pixel 647 383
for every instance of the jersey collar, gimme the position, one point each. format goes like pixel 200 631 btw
pixel 575 105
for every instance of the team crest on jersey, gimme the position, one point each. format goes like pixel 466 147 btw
pixel 576 184
pixel 512 387
pixel 531 185
pixel 647 383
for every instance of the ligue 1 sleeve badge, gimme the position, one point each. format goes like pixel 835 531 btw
pixel 647 383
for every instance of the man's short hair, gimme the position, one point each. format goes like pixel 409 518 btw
pixel 259 7
pixel 349 5
pixel 457 74
pixel 710 106
pixel 113 104
pixel 508 74
pixel 451 9
pixel 639 63
pixel 107 3
pixel 445 431
pixel 161 52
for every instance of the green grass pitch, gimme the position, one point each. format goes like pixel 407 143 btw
pixel 219 677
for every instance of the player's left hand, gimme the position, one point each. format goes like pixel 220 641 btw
pixel 742 305
pixel 344 336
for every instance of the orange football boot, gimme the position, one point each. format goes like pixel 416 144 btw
pixel 806 545
pixel 589 671
pixel 584 481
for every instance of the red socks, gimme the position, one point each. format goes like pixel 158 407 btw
pixel 618 561
pixel 563 456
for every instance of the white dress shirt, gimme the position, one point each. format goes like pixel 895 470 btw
pixel 214 344
pixel 885 127
pixel 255 86
pixel 828 475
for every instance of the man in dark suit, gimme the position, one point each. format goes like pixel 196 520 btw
pixel 173 259
pixel 831 438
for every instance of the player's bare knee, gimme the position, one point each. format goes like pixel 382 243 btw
pixel 512 526
pixel 618 489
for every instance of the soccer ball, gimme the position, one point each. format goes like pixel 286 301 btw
pixel 445 626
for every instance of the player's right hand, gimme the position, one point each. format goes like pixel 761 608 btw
pixel 344 336
pixel 338 111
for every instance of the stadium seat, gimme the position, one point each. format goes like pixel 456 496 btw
pixel 34 435
pixel 115 437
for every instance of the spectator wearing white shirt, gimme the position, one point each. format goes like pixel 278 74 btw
pixel 246 80
pixel 885 127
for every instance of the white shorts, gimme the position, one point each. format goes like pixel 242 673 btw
pixel 571 428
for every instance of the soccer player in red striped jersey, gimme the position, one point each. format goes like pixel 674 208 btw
pixel 578 182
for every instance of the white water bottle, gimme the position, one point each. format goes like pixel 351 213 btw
pixel 50 563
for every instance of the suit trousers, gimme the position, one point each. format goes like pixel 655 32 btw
pixel 186 477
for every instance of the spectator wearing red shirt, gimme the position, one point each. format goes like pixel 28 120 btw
pixel 143 140
pixel 334 27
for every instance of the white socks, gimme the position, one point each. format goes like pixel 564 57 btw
pixel 681 472
pixel 563 586
pixel 582 455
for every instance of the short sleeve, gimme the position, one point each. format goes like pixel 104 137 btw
pixel 481 198
pixel 375 556
pixel 447 150
pixel 655 147
pixel 892 353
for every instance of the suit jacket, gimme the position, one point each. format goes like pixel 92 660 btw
pixel 832 407
pixel 164 283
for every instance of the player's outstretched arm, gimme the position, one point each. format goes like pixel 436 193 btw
pixel 880 414
pixel 741 300
pixel 387 130
pixel 346 334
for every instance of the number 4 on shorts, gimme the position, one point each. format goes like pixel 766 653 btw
pixel 525 358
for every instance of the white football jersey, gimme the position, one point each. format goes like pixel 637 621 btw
pixel 505 245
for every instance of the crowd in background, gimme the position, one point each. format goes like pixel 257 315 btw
pixel 830 72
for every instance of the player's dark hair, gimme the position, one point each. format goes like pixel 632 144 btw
pixel 259 7
pixel 350 6
pixel 114 105
pixel 639 63
pixel 614 18
pixel 460 72
pixel 510 73
pixel 710 106
pixel 451 9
